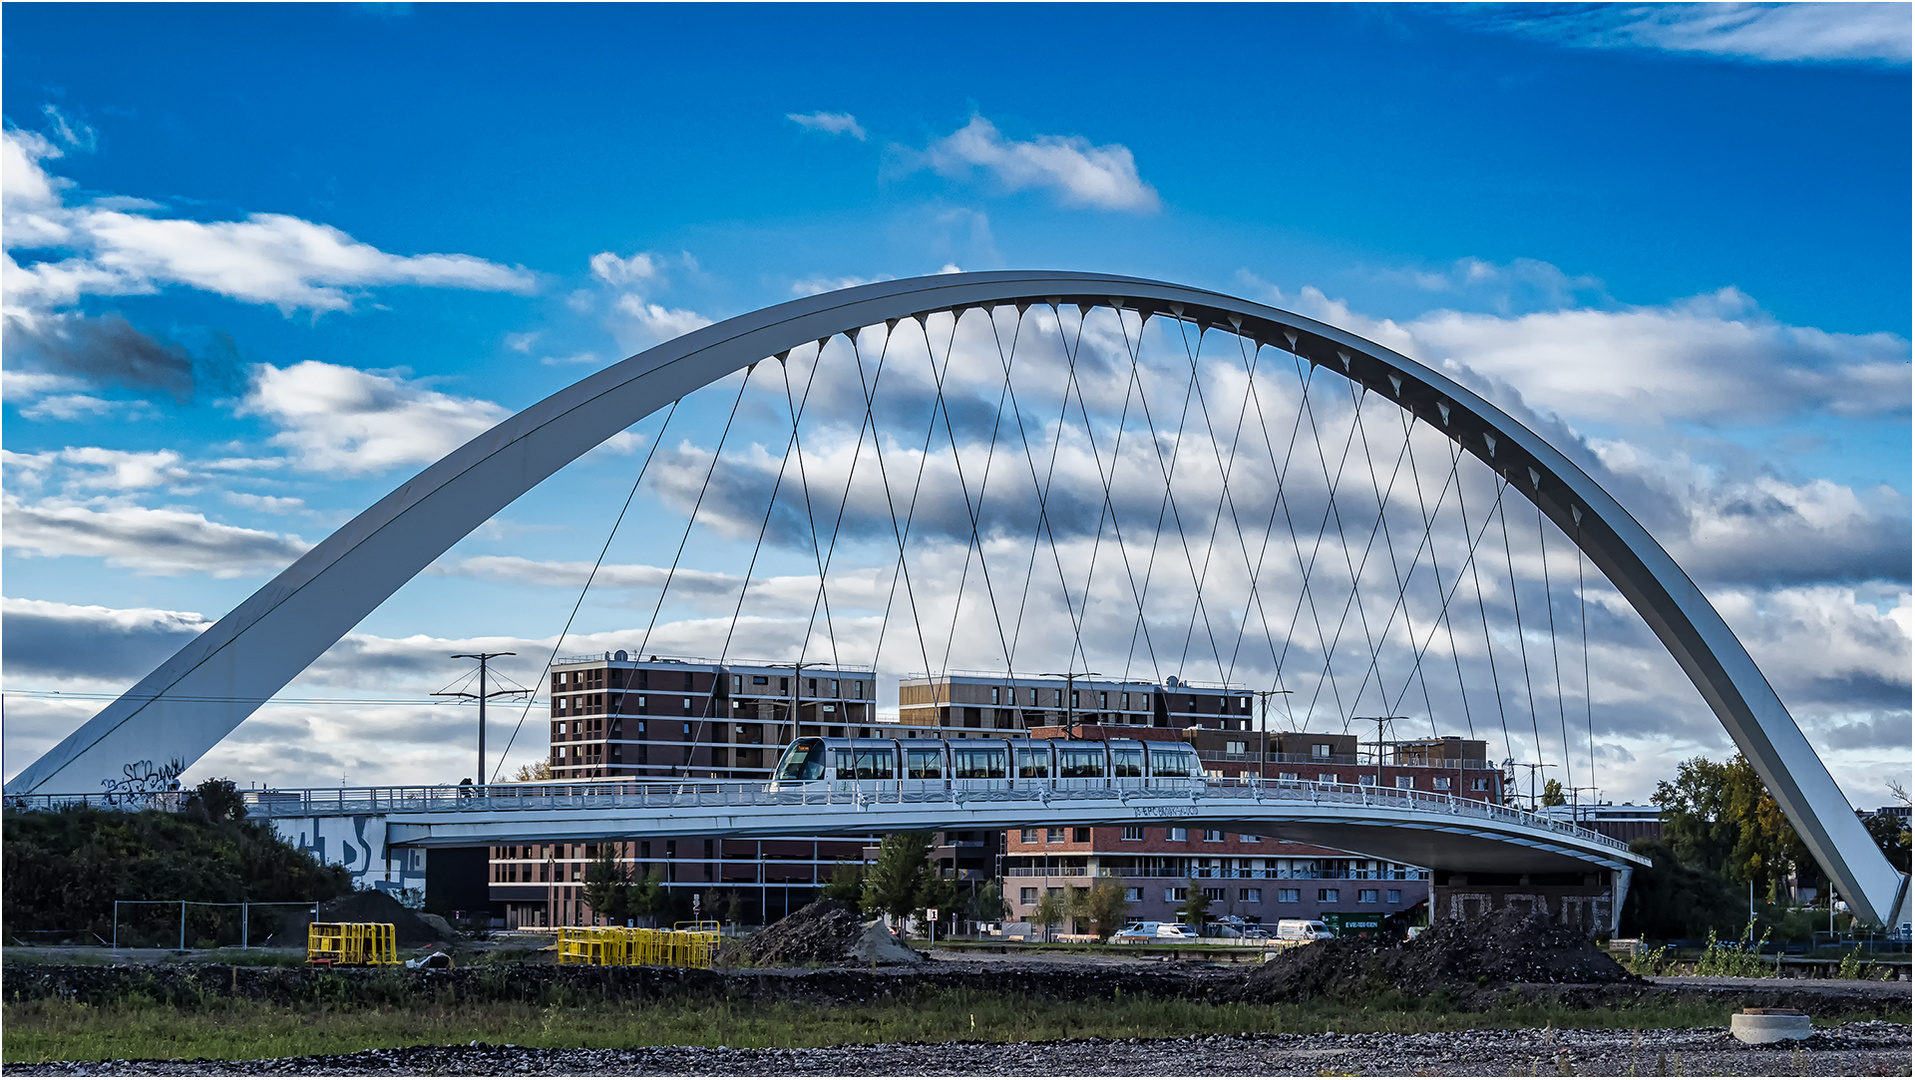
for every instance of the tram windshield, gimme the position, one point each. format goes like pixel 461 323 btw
pixel 803 761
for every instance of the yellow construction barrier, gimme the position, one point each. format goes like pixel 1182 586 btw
pixel 625 946
pixel 351 944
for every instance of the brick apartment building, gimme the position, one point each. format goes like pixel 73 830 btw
pixel 659 718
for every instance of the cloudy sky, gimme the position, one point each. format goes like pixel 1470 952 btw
pixel 245 298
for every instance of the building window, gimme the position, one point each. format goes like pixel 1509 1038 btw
pixel 1320 750
pixel 1054 834
pixel 1134 896
pixel 1406 782
pixel 1028 836
pixel 1366 896
pixel 1103 699
pixel 1326 778
pixel 1233 748
pixel 1481 783
pixel 1133 832
pixel 1250 896
pixel 993 695
pixel 737 684
pixel 1176 895
pixel 688 704
pixel 1286 776
pixel 1327 896
pixel 1366 781
pixel 1080 835
pixel 1394 896
pixel 1289 896
pixel 834 688
pixel 1176 835
pixel 1215 895
pixel 1213 836
pixel 1057 699
pixel 1246 838
pixel 1441 783
pixel 1027 896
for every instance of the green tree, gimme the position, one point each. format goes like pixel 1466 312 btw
pixel 1103 906
pixel 649 899
pixel 935 891
pixel 986 903
pixel 1672 900
pixel 606 882
pixel 1892 836
pixel 1051 909
pixel 1720 819
pixel 846 885
pixel 1553 793
pixel 904 861
pixel 1196 906
pixel 734 907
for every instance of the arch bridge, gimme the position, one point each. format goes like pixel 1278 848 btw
pixel 199 695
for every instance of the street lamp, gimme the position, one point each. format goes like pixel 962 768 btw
pixel 1263 743
pixel 482 658
pixel 1379 721
pixel 1070 694
pixel 797 673
pixel 1532 766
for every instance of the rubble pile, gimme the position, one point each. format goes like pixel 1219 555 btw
pixel 823 932
pixel 1500 948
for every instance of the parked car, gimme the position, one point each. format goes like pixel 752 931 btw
pixel 1302 930
pixel 1140 932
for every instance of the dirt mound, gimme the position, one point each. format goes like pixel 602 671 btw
pixel 823 932
pixel 376 907
pixel 1500 948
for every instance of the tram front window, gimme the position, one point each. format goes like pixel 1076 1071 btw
pixel 804 761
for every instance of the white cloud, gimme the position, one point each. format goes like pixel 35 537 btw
pixel 1104 177
pixel 1774 32
pixel 266 258
pixel 814 285
pixel 340 419
pixel 614 271
pixel 522 342
pixel 658 322
pixel 1716 357
pixel 828 122
pixel 271 504
pixel 50 639
pixel 163 542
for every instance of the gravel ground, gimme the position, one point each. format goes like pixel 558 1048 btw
pixel 1874 1048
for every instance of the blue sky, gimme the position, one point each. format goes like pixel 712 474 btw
pixel 265 262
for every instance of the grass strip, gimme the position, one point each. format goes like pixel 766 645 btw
pixel 232 1029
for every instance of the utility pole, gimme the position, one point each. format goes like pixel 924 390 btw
pixel 1575 806
pixel 1263 743
pixel 797 673
pixel 1532 766
pixel 1070 694
pixel 483 658
pixel 1380 722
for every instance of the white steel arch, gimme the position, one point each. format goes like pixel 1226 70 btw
pixel 190 702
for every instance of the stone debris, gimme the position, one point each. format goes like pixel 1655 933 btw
pixel 1854 1049
pixel 1499 949
pixel 823 932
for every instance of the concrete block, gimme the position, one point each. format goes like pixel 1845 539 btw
pixel 1770 1025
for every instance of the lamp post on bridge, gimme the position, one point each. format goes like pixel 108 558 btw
pixel 1532 766
pixel 483 658
pixel 1070 694
pixel 1380 721
pixel 1263 742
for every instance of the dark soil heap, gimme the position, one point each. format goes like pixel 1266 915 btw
pixel 375 907
pixel 822 932
pixel 1454 954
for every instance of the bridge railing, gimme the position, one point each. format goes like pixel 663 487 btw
pixel 693 795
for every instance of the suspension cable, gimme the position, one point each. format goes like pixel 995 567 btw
pixel 600 561
pixel 1522 646
pixel 1555 660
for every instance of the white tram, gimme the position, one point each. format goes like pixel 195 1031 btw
pixel 985 764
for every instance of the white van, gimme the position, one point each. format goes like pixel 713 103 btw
pixel 1302 930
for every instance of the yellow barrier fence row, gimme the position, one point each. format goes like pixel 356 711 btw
pixel 621 946
pixel 351 944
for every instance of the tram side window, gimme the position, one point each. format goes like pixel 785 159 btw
pixel 1034 763
pixel 1128 762
pixel 978 764
pixel 924 764
pixel 1169 763
pixel 1080 763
